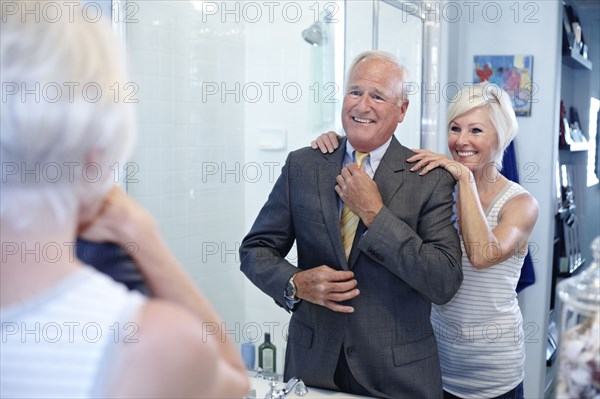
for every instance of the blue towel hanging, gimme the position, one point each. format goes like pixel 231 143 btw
pixel 511 172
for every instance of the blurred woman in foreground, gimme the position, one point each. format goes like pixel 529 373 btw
pixel 67 330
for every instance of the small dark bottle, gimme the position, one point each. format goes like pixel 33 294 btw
pixel 266 355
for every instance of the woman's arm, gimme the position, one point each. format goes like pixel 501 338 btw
pixel 185 312
pixel 485 247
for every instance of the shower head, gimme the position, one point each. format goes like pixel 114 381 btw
pixel 314 34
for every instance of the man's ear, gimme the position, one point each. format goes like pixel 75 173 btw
pixel 402 110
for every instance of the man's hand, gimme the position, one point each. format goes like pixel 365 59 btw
pixel 359 192
pixel 326 287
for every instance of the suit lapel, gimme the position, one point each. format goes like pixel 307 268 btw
pixel 388 179
pixel 326 176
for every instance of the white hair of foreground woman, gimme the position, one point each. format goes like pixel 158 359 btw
pixel 65 131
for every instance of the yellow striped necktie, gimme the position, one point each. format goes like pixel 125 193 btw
pixel 349 221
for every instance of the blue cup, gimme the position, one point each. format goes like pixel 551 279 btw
pixel 248 355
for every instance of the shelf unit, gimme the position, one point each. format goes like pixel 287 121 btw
pixel 567 259
pixel 575 147
pixel 576 60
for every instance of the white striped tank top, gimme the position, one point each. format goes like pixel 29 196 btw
pixel 61 344
pixel 480 331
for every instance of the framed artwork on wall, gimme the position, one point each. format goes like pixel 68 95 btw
pixel 511 72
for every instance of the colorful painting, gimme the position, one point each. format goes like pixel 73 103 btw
pixel 512 73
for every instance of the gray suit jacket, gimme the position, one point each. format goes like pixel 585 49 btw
pixel 409 258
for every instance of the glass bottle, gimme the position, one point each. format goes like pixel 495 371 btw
pixel 579 353
pixel 266 355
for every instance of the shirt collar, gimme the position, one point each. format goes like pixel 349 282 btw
pixel 374 156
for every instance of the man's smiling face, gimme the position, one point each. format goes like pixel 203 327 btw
pixel 371 113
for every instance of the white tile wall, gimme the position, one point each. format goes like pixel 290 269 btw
pixel 182 135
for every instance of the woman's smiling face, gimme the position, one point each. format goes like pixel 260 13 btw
pixel 472 138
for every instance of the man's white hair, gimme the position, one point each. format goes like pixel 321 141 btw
pixel 400 89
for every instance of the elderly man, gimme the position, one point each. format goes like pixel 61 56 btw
pixel 376 246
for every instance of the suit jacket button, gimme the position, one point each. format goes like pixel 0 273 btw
pixel 350 351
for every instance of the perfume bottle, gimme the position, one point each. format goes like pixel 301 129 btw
pixel 579 353
pixel 266 355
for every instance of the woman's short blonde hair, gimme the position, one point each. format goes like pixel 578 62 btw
pixel 64 127
pixel 497 102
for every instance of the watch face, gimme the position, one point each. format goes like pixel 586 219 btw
pixel 290 291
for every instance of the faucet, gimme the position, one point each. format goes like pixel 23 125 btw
pixel 259 374
pixel 265 376
pixel 298 384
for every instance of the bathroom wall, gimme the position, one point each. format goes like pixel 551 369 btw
pixel 177 56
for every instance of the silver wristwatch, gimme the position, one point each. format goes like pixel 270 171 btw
pixel 290 289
